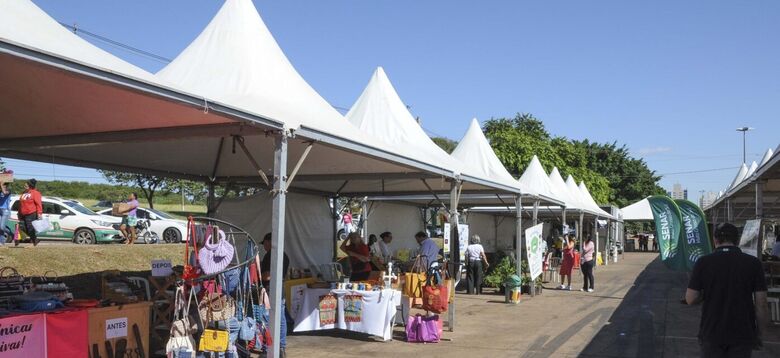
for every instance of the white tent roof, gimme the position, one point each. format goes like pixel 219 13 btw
pixel 562 191
pixel 590 202
pixel 480 160
pixel 24 23
pixel 768 155
pixel 741 174
pixel 537 182
pixel 639 211
pixel 380 112
pixel 751 170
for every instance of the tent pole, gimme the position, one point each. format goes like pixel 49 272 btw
pixel 334 209
pixel 364 217
pixel 454 268
pixel 563 220
pixel 518 234
pixel 535 221
pixel 210 201
pixel 277 239
pixel 596 230
pixel 759 199
pixel 579 230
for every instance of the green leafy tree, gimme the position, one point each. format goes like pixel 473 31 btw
pixel 447 144
pixel 148 184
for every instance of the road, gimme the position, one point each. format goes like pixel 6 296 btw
pixel 634 312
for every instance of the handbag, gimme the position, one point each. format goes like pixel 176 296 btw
pixel 414 279
pixel 435 295
pixel 37 301
pixel 421 329
pixel 181 343
pixel 190 271
pixel 216 307
pixel 41 225
pixel 214 258
pixel 213 340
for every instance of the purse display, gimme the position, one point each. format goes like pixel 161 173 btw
pixel 11 283
pixel 215 257
pixel 213 340
pixel 421 329
pixel 216 307
pixel 181 343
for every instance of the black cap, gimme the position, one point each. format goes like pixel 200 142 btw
pixel 32 182
pixel 267 237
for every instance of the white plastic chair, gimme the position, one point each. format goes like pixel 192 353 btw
pixel 552 269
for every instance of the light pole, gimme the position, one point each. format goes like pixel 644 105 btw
pixel 744 135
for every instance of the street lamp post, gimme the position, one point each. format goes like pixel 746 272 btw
pixel 744 138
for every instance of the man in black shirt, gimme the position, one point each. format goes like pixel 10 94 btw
pixel 727 281
pixel 265 265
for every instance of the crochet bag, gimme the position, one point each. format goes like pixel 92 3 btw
pixel 215 257
pixel 181 343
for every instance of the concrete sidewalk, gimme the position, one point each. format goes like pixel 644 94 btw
pixel 634 312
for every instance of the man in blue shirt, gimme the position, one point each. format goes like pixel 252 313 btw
pixel 428 248
pixel 5 212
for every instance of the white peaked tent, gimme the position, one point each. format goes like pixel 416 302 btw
pixel 751 170
pixel 741 174
pixel 592 203
pixel 639 211
pixel 768 155
pixel 537 182
pixel 561 191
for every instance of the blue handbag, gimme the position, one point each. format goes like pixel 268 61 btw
pixel 37 301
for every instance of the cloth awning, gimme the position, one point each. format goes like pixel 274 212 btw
pixel 639 211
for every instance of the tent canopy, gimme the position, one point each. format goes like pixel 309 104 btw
pixel 639 211
pixel 537 182
pixel 588 199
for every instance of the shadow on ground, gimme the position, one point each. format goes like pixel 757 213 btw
pixel 651 321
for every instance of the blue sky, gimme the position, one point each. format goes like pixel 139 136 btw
pixel 671 79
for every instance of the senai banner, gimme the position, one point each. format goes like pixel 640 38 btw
pixel 694 236
pixel 668 224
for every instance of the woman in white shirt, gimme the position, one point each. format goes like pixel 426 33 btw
pixel 475 257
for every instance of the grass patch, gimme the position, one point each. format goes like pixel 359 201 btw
pixel 80 265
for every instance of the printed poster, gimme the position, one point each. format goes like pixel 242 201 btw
pixel 533 250
pixel 748 242
pixel 23 336
pixel 328 308
pixel 463 240
pixel 353 308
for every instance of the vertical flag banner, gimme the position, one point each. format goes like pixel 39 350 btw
pixel 694 237
pixel 668 225
pixel 533 250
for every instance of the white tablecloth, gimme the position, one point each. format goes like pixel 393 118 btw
pixel 379 308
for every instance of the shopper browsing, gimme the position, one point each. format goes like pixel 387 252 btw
pixel 428 248
pixel 30 209
pixel 475 258
pixel 567 263
pixel 129 220
pixel 359 256
pixel 731 286
pixel 587 264
pixel 5 210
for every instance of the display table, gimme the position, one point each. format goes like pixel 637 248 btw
pixel 370 312
pixel 113 323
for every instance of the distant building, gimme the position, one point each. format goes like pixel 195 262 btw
pixel 678 192
pixel 707 199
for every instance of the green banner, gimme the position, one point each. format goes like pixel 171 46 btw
pixel 694 236
pixel 668 225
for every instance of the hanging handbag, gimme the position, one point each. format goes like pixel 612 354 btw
pixel 215 257
pixel 248 325
pixel 421 329
pixel 213 340
pixel 414 279
pixel 190 271
pixel 181 343
pixel 215 306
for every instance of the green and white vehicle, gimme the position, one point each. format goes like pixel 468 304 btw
pixel 71 221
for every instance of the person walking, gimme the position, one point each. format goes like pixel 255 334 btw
pixel 30 209
pixel 5 210
pixel 588 261
pixel 567 264
pixel 730 285
pixel 129 220
pixel 475 258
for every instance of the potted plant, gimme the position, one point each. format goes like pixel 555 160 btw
pixel 500 273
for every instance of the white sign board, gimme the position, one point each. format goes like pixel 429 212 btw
pixel 162 268
pixel 533 249
pixel 748 243
pixel 447 236
pixel 463 240
pixel 116 328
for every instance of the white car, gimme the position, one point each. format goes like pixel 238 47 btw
pixel 168 228
pixel 70 221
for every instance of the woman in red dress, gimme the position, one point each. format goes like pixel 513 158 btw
pixel 359 257
pixel 568 262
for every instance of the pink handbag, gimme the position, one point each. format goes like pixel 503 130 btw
pixel 421 329
pixel 214 258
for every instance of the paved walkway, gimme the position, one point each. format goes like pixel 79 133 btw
pixel 635 312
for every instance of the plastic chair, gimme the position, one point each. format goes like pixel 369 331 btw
pixel 142 283
pixel 552 269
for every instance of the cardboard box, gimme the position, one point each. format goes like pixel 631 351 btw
pixel 119 209
pixel 6 177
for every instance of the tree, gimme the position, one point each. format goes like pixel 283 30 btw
pixel 608 170
pixel 447 144
pixel 149 184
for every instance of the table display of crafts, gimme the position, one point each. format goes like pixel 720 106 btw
pixel 220 306
pixel 19 294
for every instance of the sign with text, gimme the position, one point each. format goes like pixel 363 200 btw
pixel 116 328
pixel 447 236
pixel 23 336
pixel 533 250
pixel 162 268
pixel 748 242
pixel 463 240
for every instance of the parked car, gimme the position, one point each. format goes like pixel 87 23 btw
pixel 70 221
pixel 104 204
pixel 167 227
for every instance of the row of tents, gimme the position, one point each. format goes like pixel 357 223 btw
pixel 232 110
